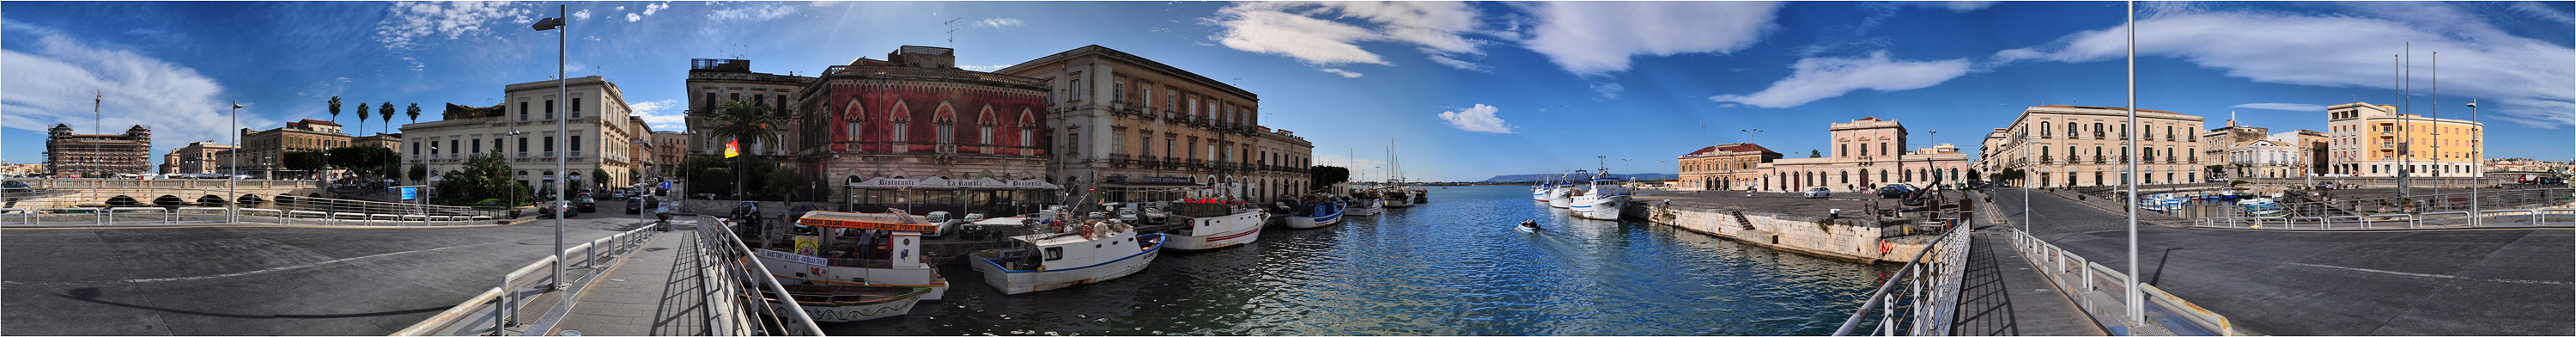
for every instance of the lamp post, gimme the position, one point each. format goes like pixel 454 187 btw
pixel 2475 216
pixel 557 24
pixel 232 200
pixel 2137 304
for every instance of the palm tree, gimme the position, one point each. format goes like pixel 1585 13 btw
pixel 413 111
pixel 739 120
pixel 388 112
pixel 362 115
pixel 335 108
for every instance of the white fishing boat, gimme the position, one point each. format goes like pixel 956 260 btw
pixel 1561 196
pixel 1364 207
pixel 1601 199
pixel 1316 215
pixel 846 303
pixel 858 249
pixel 1539 192
pixel 1212 226
pixel 1064 254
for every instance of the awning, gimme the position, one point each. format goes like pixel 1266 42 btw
pixel 943 183
pixel 882 221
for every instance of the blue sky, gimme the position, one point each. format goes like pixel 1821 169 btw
pixel 1462 91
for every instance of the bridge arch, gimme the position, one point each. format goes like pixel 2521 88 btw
pixel 121 201
pixel 210 200
pixel 166 200
pixel 250 200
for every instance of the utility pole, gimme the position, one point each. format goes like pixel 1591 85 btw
pixel 2137 304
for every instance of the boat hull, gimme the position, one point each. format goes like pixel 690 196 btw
pixel 1014 282
pixel 795 272
pixel 1598 208
pixel 1526 229
pixel 1318 221
pixel 1236 229
pixel 1560 199
pixel 1398 203
pixel 854 313
pixel 1367 208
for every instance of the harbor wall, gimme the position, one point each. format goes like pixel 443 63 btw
pixel 1853 239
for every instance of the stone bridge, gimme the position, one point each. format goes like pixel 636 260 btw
pixel 55 193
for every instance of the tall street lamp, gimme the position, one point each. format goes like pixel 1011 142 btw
pixel 2475 216
pixel 557 24
pixel 232 199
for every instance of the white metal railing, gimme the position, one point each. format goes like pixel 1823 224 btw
pixel 740 268
pixel 2076 276
pixel 2493 218
pixel 507 301
pixel 1931 295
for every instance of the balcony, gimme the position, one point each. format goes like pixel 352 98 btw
pixel 576 154
pixel 2047 159
pixel 2098 159
pixel 547 154
pixel 1195 162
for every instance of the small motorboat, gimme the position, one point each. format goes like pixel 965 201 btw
pixel 1528 226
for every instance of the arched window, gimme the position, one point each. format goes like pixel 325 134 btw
pixel 902 119
pixel 2071 127
pixel 984 124
pixel 1028 125
pixel 857 118
pixel 946 122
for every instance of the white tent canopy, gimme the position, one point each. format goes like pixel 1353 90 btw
pixel 942 183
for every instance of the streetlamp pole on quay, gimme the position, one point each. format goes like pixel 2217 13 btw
pixel 557 24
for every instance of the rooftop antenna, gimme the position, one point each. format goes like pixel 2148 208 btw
pixel 952 31
pixel 97 121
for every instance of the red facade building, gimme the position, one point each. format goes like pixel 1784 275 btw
pixel 915 115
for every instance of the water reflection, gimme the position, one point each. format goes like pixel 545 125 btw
pixel 1452 267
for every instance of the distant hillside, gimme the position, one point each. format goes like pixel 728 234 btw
pixel 1537 177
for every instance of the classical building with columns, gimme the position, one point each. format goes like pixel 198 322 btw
pixel 1138 130
pixel 1868 153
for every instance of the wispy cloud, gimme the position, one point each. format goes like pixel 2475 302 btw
pixel 998 22
pixel 763 12
pixel 1828 77
pixel 2531 80
pixel 47 83
pixel 1479 118
pixel 1310 33
pixel 583 14
pixel 1594 38
pixel 411 22
pixel 1608 91
pixel 659 114
pixel 2283 107
pixel 1344 73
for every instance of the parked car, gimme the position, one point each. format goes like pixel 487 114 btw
pixel 635 206
pixel 13 186
pixel 549 208
pixel 798 212
pixel 1819 192
pixel 1895 191
pixel 586 204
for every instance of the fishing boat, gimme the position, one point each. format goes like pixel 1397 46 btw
pixel 858 249
pixel 851 303
pixel 1421 195
pixel 1316 214
pixel 1395 197
pixel 1539 192
pixel 1364 204
pixel 1561 196
pixel 1212 224
pixel 1068 252
pixel 2263 208
pixel 1601 199
pixel 2160 203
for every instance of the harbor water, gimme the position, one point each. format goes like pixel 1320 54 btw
pixel 1453 266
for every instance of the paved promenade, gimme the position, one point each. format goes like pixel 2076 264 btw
pixel 2001 295
pixel 659 291
pixel 2457 282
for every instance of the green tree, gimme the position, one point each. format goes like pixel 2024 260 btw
pixel 783 182
pixel 362 115
pixel 707 174
pixel 335 109
pixel 419 173
pixel 599 177
pixel 307 161
pixel 1815 154
pixel 485 176
pixel 363 160
pixel 413 112
pixel 1325 176
pixel 747 123
pixel 388 112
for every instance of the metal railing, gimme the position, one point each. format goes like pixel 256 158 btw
pixel 2078 277
pixel 2493 218
pixel 1931 295
pixel 506 301
pixel 740 269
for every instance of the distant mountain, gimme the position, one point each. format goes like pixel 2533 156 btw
pixel 1537 177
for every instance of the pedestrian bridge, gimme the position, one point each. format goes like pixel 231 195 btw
pixel 66 193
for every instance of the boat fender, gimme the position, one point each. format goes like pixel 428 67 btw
pixel 1884 247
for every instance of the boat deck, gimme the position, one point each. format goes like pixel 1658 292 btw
pixel 660 291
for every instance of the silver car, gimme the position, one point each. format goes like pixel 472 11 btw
pixel 1819 192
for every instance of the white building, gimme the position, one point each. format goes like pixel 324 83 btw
pixel 600 131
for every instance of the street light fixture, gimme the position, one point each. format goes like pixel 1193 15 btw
pixel 2475 215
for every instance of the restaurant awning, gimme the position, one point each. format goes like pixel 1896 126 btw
pixel 881 221
pixel 944 183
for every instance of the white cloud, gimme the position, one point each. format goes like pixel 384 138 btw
pixel 998 22
pixel 2531 80
pixel 1821 78
pixel 621 8
pixel 1608 91
pixel 583 14
pixel 631 17
pixel 756 13
pixel 1479 118
pixel 2283 107
pixel 1599 37
pixel 47 84
pixel 2536 9
pixel 1955 6
pixel 658 115
pixel 650 9
pixel 1309 32
pixel 1344 73
pixel 411 22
